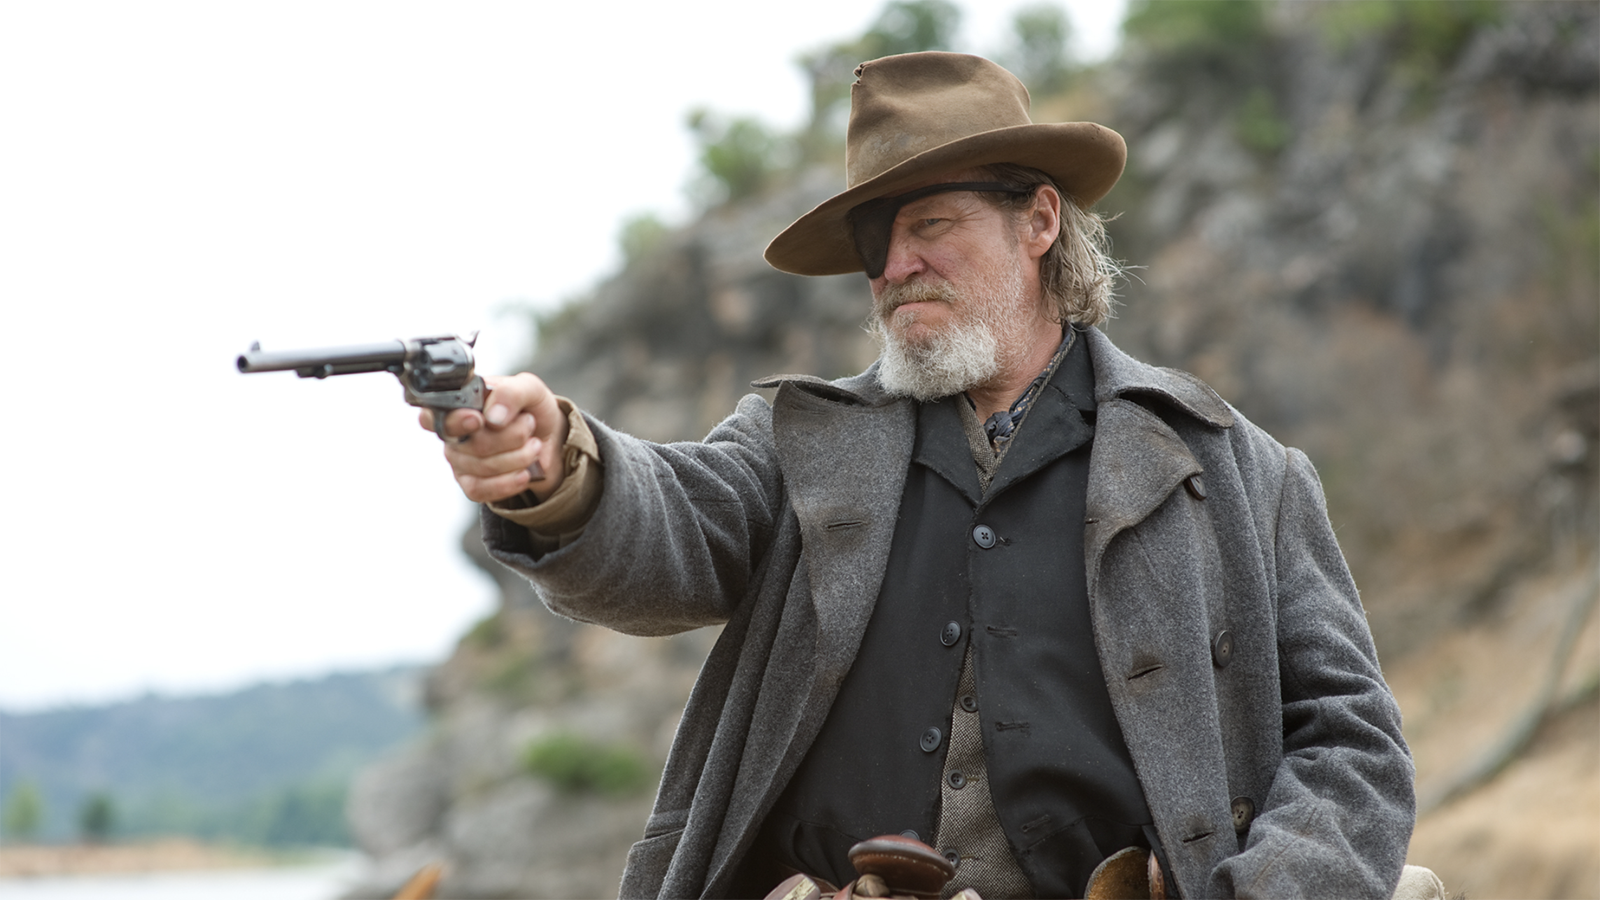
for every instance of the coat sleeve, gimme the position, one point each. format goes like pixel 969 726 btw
pixel 676 537
pixel 1338 818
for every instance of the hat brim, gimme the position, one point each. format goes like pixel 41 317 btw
pixel 1084 158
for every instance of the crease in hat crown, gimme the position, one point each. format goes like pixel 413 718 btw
pixel 917 116
pixel 903 105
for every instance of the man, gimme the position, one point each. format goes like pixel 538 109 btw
pixel 1009 591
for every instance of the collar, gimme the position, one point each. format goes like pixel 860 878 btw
pixel 1001 427
pixel 1059 419
pixel 1116 376
pixel 1119 376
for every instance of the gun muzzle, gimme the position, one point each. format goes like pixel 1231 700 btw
pixel 389 356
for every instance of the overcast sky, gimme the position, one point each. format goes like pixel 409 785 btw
pixel 179 179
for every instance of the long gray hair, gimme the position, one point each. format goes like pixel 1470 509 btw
pixel 1078 273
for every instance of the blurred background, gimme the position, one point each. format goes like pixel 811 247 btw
pixel 247 620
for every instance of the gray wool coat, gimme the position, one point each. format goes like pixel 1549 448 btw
pixel 779 525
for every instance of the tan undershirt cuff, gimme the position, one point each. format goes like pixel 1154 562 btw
pixel 559 519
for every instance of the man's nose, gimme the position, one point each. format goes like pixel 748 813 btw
pixel 903 260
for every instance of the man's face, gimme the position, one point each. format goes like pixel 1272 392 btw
pixel 955 305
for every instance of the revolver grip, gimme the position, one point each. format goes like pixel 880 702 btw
pixel 441 402
pixel 470 396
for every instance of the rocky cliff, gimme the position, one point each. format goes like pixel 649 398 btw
pixel 1373 229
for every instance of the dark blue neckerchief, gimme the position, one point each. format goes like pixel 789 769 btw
pixel 1002 426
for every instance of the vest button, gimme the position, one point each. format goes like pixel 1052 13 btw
pixel 969 703
pixel 931 739
pixel 951 634
pixel 983 536
pixel 911 834
pixel 957 780
pixel 1244 812
pixel 1222 649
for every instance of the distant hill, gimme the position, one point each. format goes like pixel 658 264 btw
pixel 265 764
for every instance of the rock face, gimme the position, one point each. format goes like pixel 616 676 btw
pixel 1382 248
pixel 1404 287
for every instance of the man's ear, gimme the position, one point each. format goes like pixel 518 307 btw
pixel 1044 222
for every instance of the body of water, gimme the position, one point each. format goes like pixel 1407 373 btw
pixel 324 881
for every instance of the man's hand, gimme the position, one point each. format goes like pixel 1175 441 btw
pixel 491 452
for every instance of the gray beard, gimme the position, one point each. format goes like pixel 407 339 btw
pixel 962 357
pixel 975 345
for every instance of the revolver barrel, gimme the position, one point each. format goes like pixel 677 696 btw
pixel 435 372
pixel 388 356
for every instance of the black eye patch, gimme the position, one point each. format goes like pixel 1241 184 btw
pixel 872 223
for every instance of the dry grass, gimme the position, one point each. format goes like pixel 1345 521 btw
pixel 163 855
pixel 1534 829
pixel 1532 832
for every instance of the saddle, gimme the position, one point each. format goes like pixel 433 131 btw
pixel 895 867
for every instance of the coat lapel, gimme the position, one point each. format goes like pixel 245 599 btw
pixel 845 448
pixel 1138 460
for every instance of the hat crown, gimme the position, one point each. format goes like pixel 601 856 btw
pixel 920 116
pixel 903 105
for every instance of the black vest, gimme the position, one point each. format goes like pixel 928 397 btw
pixel 1005 572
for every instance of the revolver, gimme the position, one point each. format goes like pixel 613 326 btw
pixel 436 372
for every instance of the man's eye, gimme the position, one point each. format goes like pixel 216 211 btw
pixel 931 221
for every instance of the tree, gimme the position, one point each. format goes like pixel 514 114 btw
pixel 1040 59
pixel 1196 28
pixel 640 234
pixel 305 815
pixel 903 26
pixel 739 156
pixel 24 811
pixel 96 817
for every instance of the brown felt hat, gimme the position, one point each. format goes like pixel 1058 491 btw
pixel 918 115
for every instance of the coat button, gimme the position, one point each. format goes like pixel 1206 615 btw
pixel 951 634
pixel 1196 486
pixel 957 780
pixel 930 740
pixel 1222 648
pixel 1244 811
pixel 969 703
pixel 983 536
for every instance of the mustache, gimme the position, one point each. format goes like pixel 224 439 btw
pixel 895 296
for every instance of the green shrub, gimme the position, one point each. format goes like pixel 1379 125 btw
pixel 304 815
pixel 579 765
pixel 1195 26
pixel 640 234
pixel 1426 37
pixel 24 811
pixel 1041 32
pixel 488 632
pixel 97 817
pixel 738 157
pixel 512 676
pixel 1259 125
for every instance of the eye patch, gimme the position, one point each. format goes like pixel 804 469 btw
pixel 872 223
